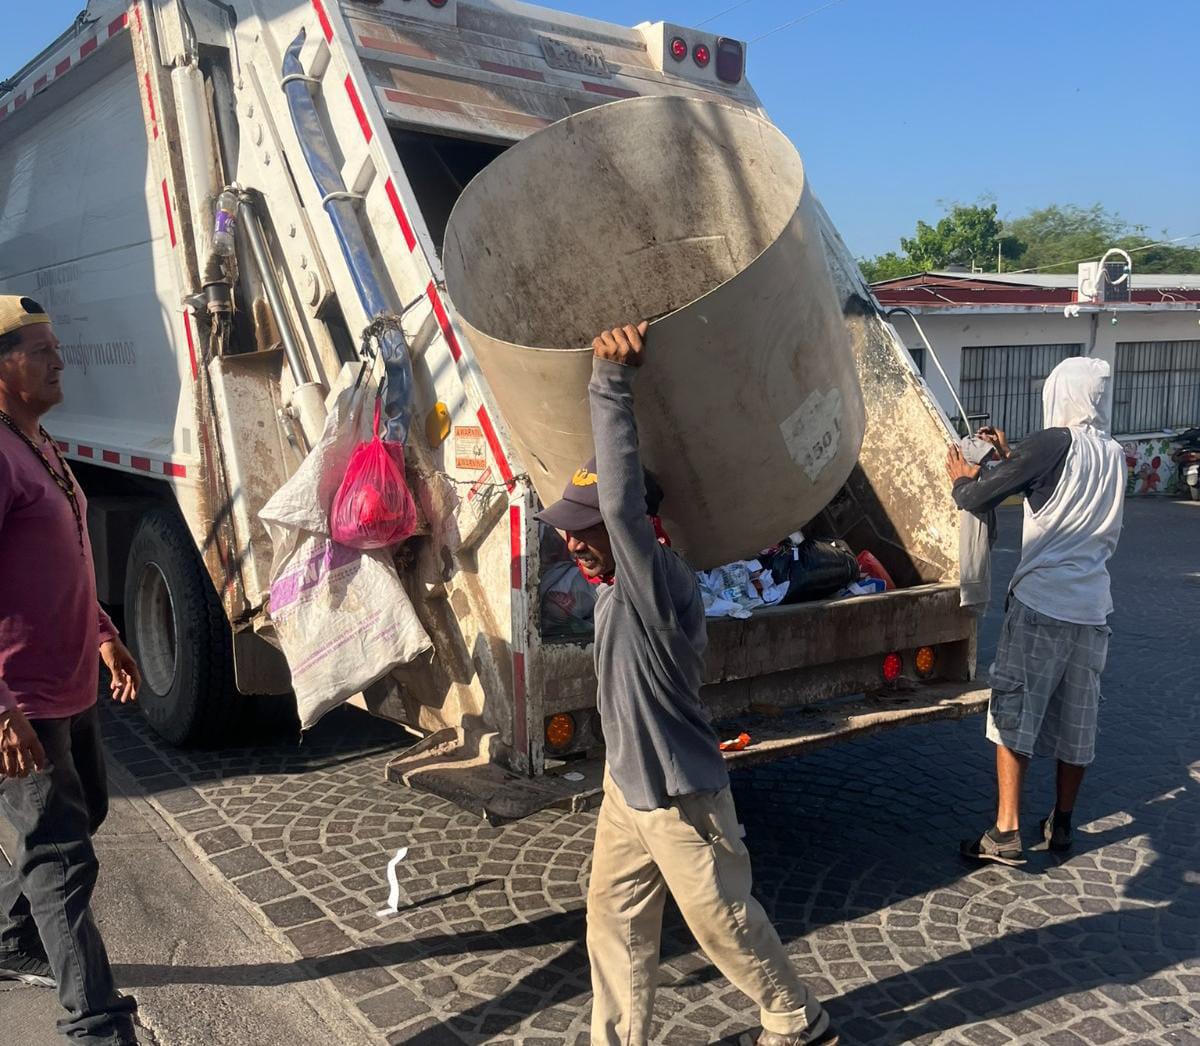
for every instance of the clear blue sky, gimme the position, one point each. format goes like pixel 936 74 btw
pixel 897 105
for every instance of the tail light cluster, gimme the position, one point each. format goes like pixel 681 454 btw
pixel 567 732
pixel 924 663
pixel 730 56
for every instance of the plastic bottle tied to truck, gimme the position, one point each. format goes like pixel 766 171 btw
pixel 698 217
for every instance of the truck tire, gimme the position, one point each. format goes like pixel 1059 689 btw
pixel 179 635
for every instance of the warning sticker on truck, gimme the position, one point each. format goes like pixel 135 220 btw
pixel 813 431
pixel 470 449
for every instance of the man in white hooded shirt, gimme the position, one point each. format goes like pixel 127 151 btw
pixel 1054 641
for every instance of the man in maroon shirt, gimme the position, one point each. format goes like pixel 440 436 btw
pixel 53 635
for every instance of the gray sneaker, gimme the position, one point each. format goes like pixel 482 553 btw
pixel 987 848
pixel 27 969
pixel 1058 839
pixel 769 1038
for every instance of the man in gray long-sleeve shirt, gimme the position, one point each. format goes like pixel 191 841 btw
pixel 668 820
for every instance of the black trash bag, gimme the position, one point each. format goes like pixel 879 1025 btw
pixel 813 569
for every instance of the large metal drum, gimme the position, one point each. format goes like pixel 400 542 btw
pixel 698 216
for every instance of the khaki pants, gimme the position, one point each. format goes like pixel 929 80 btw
pixel 692 848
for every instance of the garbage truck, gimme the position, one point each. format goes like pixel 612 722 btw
pixel 400 175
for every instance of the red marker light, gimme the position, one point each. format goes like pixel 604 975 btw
pixel 701 55
pixel 892 666
pixel 679 49
pixel 437 3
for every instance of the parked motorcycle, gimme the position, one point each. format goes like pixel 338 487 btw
pixel 1187 457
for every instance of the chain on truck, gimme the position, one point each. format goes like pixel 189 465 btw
pixel 198 374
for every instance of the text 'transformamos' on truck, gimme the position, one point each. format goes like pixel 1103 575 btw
pixel 214 201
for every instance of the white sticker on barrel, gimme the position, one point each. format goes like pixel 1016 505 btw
pixel 813 431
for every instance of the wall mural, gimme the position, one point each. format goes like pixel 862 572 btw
pixel 1151 470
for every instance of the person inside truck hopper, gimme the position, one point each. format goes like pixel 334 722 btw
pixel 53 636
pixel 667 821
pixel 1054 640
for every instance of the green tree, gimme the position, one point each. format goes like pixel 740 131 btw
pixel 1166 257
pixel 1051 239
pixel 968 235
pixel 889 266
pixel 1055 238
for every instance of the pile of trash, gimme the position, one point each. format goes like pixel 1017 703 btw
pixel 797 570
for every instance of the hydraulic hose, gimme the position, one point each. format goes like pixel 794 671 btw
pixel 369 282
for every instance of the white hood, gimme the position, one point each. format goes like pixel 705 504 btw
pixel 1067 542
pixel 1078 394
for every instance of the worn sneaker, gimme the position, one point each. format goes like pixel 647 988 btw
pixel 988 848
pixel 27 969
pixel 1057 835
pixel 828 1037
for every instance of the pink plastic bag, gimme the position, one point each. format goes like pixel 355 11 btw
pixel 373 507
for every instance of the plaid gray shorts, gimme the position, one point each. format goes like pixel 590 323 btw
pixel 1046 685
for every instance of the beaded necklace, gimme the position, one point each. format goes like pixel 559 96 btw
pixel 63 480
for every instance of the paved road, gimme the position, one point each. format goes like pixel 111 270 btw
pixel 854 856
pixel 168 924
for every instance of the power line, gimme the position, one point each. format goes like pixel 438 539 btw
pixel 721 14
pixel 796 21
pixel 1093 257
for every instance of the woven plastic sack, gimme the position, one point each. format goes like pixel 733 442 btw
pixel 373 507
pixel 341 615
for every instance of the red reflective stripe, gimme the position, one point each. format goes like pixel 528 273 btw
pixel 401 217
pixel 170 217
pixel 117 24
pixel 63 446
pixel 150 103
pixel 187 326
pixel 514 529
pixel 439 310
pixel 323 18
pixel 137 11
pixel 171 469
pixel 62 67
pixel 489 434
pixel 3 110
pixel 40 82
pixel 86 452
pixel 616 92
pixel 18 101
pixel 513 70
pixel 141 464
pixel 88 48
pixel 111 457
pixel 357 106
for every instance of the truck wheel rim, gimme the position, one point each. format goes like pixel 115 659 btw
pixel 154 619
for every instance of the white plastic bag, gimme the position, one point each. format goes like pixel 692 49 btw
pixel 341 615
pixel 738 589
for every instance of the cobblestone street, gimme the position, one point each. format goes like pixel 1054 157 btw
pixel 855 857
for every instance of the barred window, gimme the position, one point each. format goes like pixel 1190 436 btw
pixel 1005 383
pixel 1156 386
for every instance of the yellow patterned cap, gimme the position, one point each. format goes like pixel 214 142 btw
pixel 17 312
